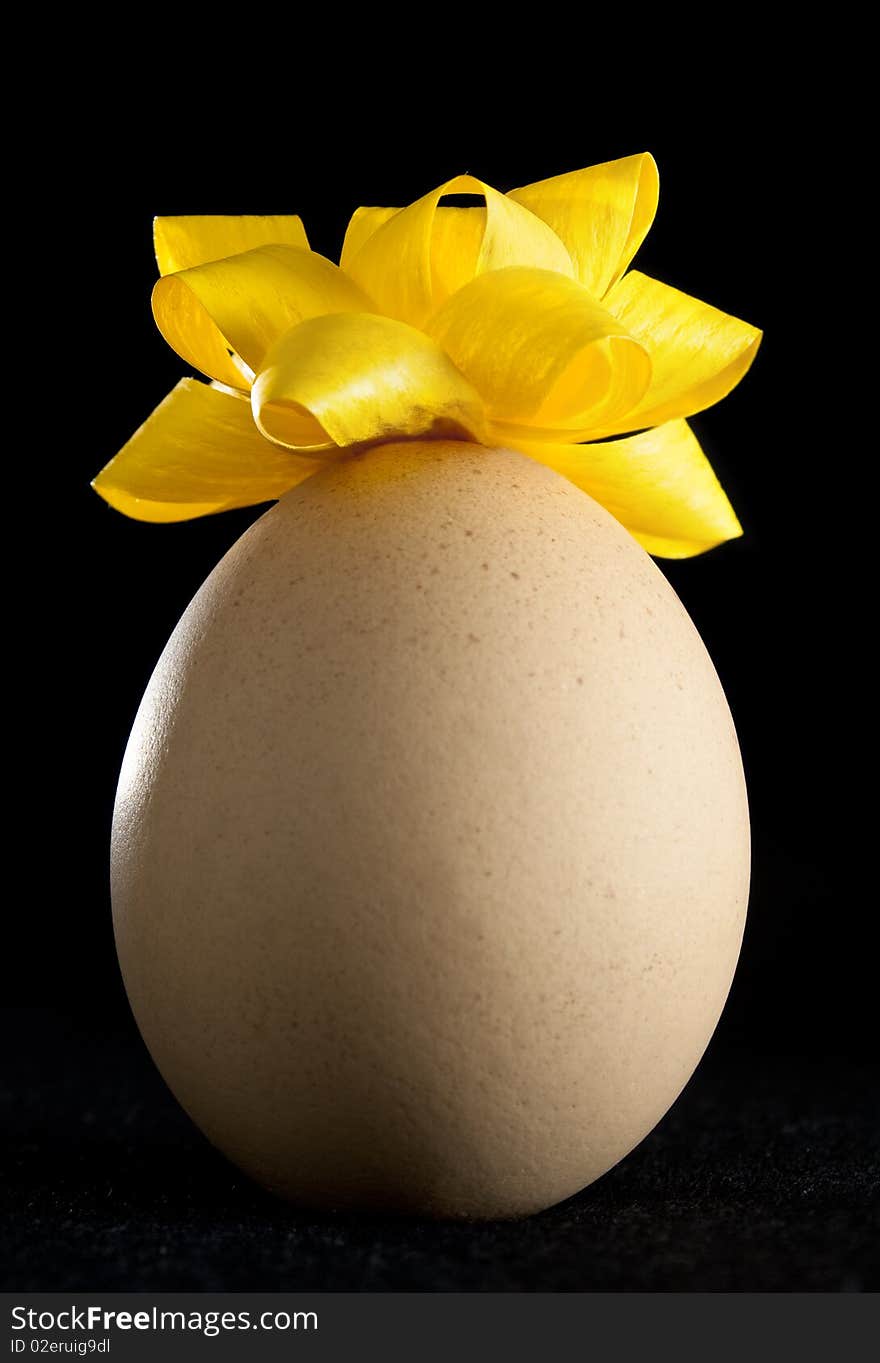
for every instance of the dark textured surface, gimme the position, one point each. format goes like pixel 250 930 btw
pixel 763 1177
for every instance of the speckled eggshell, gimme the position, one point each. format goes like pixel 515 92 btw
pixel 431 851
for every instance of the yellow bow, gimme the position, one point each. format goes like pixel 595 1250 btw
pixel 514 324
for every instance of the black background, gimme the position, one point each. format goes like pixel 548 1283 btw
pixel 746 208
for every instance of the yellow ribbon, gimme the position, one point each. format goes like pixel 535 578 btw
pixel 514 323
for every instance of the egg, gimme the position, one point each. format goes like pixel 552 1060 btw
pixel 431 847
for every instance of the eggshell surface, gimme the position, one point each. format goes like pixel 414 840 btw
pixel 431 848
